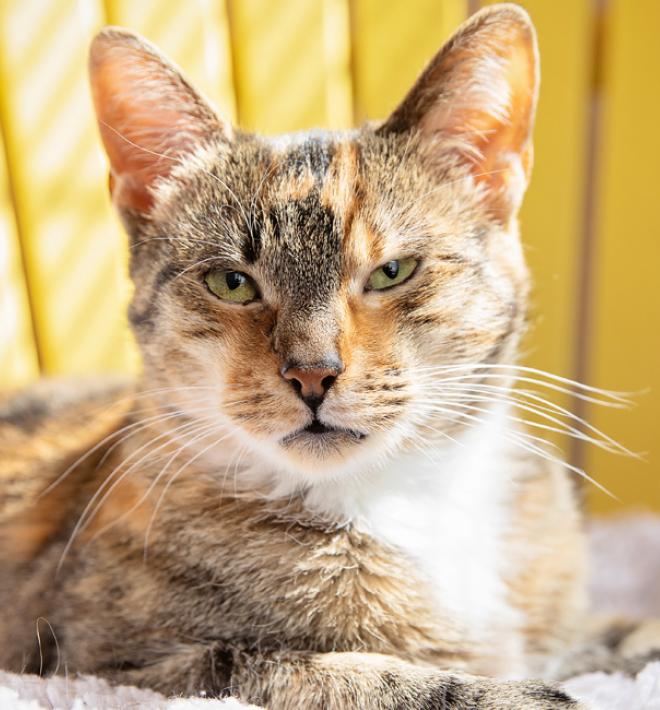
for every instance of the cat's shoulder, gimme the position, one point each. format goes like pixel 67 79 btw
pixel 28 410
pixel 47 425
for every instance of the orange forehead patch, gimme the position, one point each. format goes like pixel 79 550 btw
pixel 295 187
pixel 339 187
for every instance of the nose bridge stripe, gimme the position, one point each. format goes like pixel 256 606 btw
pixel 309 339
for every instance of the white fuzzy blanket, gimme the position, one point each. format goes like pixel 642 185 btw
pixel 625 579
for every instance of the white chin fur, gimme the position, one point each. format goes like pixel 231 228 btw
pixel 448 512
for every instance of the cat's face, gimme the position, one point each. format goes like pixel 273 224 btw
pixel 319 298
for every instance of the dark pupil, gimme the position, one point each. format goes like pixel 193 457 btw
pixel 391 269
pixel 234 279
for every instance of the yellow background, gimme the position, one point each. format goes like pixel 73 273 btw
pixel 591 221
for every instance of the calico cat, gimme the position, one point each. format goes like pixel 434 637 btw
pixel 316 496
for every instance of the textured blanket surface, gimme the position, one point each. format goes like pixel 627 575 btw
pixel 625 578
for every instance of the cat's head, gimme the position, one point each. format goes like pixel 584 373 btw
pixel 324 298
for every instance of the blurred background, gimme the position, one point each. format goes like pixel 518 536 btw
pixel 591 220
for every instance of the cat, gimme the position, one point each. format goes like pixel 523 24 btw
pixel 316 496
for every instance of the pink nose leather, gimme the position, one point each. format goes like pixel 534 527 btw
pixel 311 382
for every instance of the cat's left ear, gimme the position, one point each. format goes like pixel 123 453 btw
pixel 149 115
pixel 475 103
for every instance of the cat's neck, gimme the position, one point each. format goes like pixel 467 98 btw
pixel 465 471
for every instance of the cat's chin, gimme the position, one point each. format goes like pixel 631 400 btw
pixel 321 447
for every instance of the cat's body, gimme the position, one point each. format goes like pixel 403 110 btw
pixel 317 495
pixel 458 571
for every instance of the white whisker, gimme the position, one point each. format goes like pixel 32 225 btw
pixel 90 509
pixel 169 483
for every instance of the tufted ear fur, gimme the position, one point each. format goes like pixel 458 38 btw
pixel 148 114
pixel 476 101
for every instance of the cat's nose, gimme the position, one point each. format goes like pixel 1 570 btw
pixel 312 382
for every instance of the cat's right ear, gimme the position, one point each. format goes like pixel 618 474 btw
pixel 148 114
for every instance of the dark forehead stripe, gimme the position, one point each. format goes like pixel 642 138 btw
pixel 316 224
pixel 251 245
pixel 305 257
pixel 263 168
pixel 312 158
pixel 313 155
pixel 294 235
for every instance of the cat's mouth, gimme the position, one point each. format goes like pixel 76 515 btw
pixel 319 432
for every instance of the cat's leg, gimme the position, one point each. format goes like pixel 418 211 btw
pixel 376 682
pixel 338 681
pixel 612 645
pixel 185 670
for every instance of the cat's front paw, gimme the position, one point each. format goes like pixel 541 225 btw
pixel 643 639
pixel 618 647
pixel 493 695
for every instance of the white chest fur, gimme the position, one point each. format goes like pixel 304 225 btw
pixel 449 513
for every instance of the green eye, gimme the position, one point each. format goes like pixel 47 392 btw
pixel 391 274
pixel 231 286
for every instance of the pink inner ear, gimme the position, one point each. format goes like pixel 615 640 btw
pixel 148 115
pixel 141 151
pixel 503 140
pixel 476 100
pixel 496 129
